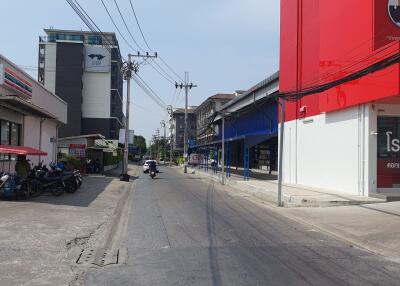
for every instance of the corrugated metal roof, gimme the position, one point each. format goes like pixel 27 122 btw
pixel 253 89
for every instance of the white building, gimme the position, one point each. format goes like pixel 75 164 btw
pixel 30 115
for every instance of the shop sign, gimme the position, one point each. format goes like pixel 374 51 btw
pixel 77 150
pixel 388 152
pixel 97 59
pixel 394 11
pixel 10 79
pixel 386 22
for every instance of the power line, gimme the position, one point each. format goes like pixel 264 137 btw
pixel 126 26
pixel 166 76
pixel 144 88
pixel 89 22
pixel 116 27
pixel 394 59
pixel 155 94
pixel 147 44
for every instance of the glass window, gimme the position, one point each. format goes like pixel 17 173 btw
pixel 5 133
pixel 14 134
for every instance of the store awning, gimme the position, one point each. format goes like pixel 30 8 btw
pixel 21 150
pixel 25 107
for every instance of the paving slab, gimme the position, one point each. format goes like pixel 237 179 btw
pixel 375 227
pixel 41 239
pixel 293 196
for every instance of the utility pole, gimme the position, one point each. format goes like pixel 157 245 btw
pixel 128 72
pixel 281 138
pixel 158 143
pixel 223 148
pixel 187 86
pixel 128 76
pixel 164 139
pixel 170 112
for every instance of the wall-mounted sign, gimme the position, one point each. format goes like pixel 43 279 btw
pixel 394 11
pixel 386 22
pixel 388 169
pixel 77 150
pixel 10 79
pixel 131 136
pixel 97 59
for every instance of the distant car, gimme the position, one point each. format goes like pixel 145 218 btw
pixel 146 166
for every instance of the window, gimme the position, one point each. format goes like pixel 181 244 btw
pixel 5 133
pixel 14 140
pixel 9 133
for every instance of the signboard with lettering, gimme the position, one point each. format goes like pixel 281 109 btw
pixel 77 150
pixel 386 22
pixel 97 59
pixel 388 152
pixel 15 82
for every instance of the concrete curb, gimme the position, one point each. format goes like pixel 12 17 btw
pixel 289 201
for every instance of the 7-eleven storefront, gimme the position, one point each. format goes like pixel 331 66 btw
pixel 345 139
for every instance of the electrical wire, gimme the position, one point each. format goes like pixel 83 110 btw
pixel 149 93
pixel 148 46
pixel 155 94
pixel 293 96
pixel 165 75
pixel 116 27
pixel 126 26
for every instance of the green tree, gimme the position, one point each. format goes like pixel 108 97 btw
pixel 140 143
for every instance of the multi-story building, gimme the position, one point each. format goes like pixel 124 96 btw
pixel 84 69
pixel 205 115
pixel 343 137
pixel 178 119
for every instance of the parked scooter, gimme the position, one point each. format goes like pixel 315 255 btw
pixel 42 179
pixel 72 180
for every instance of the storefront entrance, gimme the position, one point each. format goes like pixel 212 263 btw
pixel 388 163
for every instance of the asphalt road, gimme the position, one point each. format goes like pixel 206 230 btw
pixel 185 231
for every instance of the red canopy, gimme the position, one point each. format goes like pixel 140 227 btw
pixel 21 150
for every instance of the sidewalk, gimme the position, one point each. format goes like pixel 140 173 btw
pixel 40 239
pixel 293 196
pixel 375 227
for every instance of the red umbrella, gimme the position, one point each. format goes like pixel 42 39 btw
pixel 21 150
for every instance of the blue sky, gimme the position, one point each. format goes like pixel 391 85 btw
pixel 226 45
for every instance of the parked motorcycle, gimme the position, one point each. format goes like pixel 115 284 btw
pixel 72 180
pixel 42 179
pixel 13 187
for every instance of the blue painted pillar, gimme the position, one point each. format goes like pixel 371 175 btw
pixel 228 157
pixel 246 162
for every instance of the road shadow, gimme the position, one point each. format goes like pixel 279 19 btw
pixel 91 188
pixel 211 234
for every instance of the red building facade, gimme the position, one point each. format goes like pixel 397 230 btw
pixel 323 41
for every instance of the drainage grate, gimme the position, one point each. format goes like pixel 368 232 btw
pixel 101 257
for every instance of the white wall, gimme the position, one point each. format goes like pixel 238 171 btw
pixel 96 95
pixel 50 66
pixel 325 151
pixel 31 137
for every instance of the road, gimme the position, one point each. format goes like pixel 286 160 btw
pixel 186 231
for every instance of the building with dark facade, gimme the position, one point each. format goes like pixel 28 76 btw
pixel 178 119
pixel 84 69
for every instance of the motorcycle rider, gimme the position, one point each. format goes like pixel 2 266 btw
pixel 152 167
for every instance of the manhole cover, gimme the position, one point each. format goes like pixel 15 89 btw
pixel 100 257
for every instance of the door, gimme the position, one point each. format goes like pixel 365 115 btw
pixel 388 169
